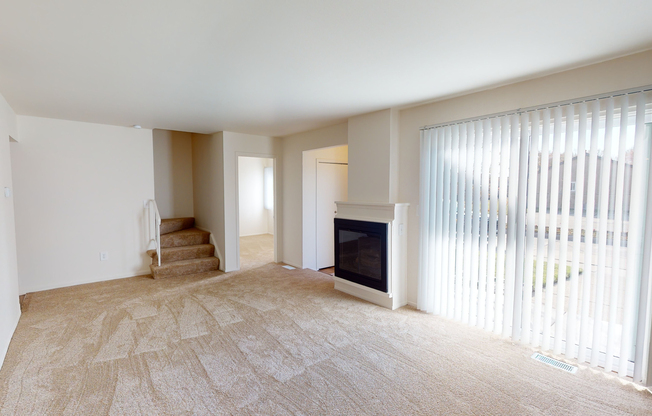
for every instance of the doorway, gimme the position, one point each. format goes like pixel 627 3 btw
pixel 332 186
pixel 256 211
pixel 317 236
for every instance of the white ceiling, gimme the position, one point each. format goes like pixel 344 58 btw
pixel 279 67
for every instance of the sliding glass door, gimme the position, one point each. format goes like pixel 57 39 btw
pixel 533 226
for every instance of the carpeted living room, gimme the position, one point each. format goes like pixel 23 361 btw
pixel 267 340
pixel 358 208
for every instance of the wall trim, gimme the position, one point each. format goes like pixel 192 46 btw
pixel 142 272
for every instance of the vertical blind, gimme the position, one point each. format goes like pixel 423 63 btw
pixel 533 227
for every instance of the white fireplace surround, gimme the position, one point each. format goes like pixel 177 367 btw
pixel 396 215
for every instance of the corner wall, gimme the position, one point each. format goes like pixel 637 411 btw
pixel 80 189
pixel 173 173
pixel 618 74
pixel 9 306
pixel 215 161
pixel 208 187
pixel 293 148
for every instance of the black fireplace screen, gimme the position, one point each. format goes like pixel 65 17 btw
pixel 361 252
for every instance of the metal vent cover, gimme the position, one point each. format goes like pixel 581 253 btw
pixel 555 363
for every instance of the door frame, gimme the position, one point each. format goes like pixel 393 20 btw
pixel 330 162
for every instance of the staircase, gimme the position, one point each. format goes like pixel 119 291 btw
pixel 184 250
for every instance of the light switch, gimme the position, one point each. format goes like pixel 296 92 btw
pixel 104 255
pixel 7 192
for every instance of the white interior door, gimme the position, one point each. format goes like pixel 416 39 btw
pixel 332 185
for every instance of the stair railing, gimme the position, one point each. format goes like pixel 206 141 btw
pixel 154 232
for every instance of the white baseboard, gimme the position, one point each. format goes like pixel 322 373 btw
pixel 371 295
pixel 293 265
pixel 252 235
pixel 39 288
pixel 6 339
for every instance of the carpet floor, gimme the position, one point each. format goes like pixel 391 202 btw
pixel 272 341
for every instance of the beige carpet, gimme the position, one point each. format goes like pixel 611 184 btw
pixel 272 341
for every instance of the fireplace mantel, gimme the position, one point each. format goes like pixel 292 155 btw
pixel 395 215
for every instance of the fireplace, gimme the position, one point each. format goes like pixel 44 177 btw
pixel 370 252
pixel 361 252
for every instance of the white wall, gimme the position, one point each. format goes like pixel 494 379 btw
pixel 293 148
pixel 9 306
pixel 208 187
pixel 628 72
pixel 269 163
pixel 173 173
pixel 79 190
pixel 309 211
pixel 253 217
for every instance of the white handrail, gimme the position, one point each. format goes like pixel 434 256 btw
pixel 155 232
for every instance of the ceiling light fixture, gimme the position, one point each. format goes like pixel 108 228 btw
pixel 137 126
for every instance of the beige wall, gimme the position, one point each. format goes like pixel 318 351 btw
pixel 293 148
pixel 628 72
pixel 9 307
pixel 373 157
pixel 309 211
pixel 173 173
pixel 80 189
pixel 208 187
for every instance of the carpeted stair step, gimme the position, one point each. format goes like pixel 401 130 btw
pixel 171 254
pixel 183 267
pixel 189 237
pixel 176 224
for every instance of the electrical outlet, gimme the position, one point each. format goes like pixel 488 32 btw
pixel 104 255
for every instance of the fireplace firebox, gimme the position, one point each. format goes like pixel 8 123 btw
pixel 361 252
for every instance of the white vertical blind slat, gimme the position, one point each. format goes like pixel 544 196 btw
pixel 468 222
pixel 563 233
pixel 531 223
pixel 493 221
pixel 618 222
pixel 541 239
pixel 482 279
pixel 445 220
pixel 502 221
pixel 585 323
pixel 475 253
pixel 603 215
pixel 461 213
pixel 571 329
pixel 424 216
pixel 454 212
pixel 634 240
pixel 512 195
pixel 522 128
pixel 439 219
pixel 552 231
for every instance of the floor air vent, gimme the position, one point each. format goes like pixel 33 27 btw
pixel 288 267
pixel 555 363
